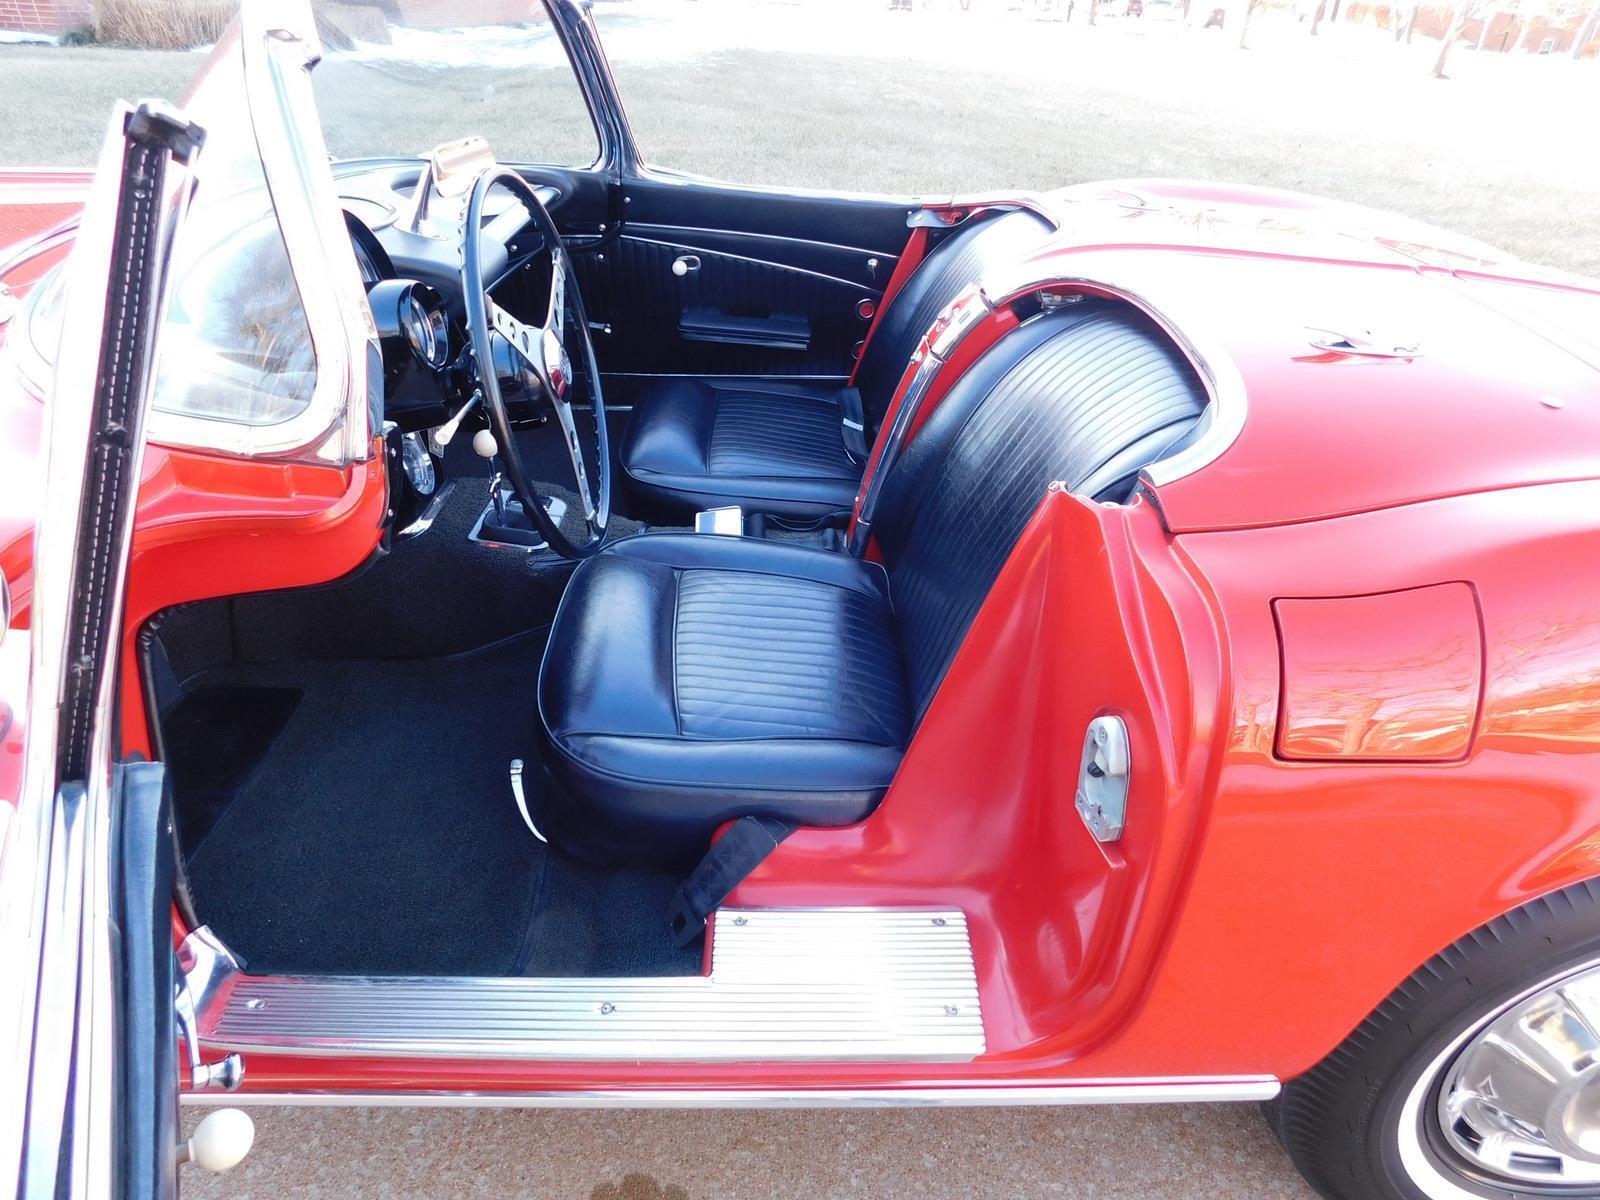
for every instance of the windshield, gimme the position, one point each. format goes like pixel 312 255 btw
pixel 401 82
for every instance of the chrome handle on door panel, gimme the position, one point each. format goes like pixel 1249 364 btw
pixel 685 263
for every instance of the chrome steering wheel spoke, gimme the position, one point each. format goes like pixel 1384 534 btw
pixel 543 349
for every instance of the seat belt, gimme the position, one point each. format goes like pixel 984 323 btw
pixel 853 421
pixel 726 865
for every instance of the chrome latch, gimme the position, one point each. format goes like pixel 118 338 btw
pixel 1102 799
pixel 207 968
pixel 227 1073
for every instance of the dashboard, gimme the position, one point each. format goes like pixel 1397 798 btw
pixel 405 231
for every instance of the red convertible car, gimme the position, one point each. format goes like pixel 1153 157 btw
pixel 527 636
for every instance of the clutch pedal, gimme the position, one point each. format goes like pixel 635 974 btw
pixel 522 800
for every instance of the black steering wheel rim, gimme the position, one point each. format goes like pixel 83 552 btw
pixel 552 368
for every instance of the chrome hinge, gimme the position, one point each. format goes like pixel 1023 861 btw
pixel 1102 799
pixel 207 966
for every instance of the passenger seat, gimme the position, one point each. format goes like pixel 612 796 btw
pixel 779 447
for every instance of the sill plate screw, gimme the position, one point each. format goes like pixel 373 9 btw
pixel 950 1010
pixel 938 920
pixel 607 1008
pixel 741 920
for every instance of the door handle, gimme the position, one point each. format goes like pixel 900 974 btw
pixel 685 263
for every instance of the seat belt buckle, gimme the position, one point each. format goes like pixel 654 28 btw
pixel 728 521
pixel 684 922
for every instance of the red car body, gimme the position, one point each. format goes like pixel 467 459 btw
pixel 1357 654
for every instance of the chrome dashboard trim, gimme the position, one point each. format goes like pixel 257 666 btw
pixel 1226 1089
pixel 785 985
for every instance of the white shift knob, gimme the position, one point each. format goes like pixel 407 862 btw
pixel 484 445
pixel 221 1141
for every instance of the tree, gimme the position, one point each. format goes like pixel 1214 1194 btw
pixel 1250 7
pixel 1464 12
pixel 1316 17
pixel 1586 32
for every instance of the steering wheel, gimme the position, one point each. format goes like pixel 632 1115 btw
pixel 544 348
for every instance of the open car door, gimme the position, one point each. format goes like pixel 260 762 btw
pixel 88 1072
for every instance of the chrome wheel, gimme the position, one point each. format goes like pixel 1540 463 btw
pixel 1515 1101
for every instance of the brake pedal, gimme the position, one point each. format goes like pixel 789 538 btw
pixel 522 800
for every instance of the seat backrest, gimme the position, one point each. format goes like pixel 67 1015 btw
pixel 954 264
pixel 1087 394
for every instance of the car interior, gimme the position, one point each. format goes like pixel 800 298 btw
pixel 601 631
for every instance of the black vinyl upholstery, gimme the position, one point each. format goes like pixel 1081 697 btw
pixel 691 679
pixel 778 447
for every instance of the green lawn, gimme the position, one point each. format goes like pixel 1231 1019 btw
pixel 1052 105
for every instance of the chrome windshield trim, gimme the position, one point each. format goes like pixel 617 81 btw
pixel 279 46
pixel 1225 1089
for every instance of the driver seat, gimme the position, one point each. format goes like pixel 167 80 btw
pixel 691 679
pixel 777 446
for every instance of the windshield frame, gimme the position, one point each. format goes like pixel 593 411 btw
pixel 278 46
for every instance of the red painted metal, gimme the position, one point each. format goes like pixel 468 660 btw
pixel 1394 676
pixel 1381 525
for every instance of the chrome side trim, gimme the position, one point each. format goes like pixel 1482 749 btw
pixel 745 258
pixel 844 984
pixel 1222 421
pixel 1213 1090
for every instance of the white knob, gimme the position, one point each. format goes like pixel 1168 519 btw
pixel 221 1141
pixel 680 267
pixel 484 445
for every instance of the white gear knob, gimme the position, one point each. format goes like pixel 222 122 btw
pixel 484 445
pixel 221 1141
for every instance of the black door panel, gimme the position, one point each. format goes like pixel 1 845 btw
pixel 863 267
pixel 662 322
pixel 770 283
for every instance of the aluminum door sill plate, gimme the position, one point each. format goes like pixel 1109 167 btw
pixel 821 984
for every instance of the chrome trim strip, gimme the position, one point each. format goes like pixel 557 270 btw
pixel 841 984
pixel 1211 1090
pixel 662 232
pixel 760 262
pixel 278 45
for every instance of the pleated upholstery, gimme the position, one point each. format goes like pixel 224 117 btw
pixel 770 656
pixel 1056 401
pixel 756 434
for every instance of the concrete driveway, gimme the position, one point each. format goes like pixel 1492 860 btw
pixel 1219 1152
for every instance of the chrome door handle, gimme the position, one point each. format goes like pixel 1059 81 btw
pixel 685 263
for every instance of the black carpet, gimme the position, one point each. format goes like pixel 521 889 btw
pixel 377 833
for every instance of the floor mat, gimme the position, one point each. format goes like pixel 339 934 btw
pixel 378 834
pixel 216 737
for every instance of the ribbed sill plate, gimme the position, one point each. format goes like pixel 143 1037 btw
pixel 785 984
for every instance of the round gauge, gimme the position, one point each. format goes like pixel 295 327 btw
pixel 418 464
pixel 427 328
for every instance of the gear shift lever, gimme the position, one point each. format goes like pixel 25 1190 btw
pixel 485 447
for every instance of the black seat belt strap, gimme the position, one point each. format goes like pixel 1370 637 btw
pixel 731 858
pixel 854 424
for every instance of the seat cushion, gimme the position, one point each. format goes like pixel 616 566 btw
pixel 691 679
pixel 775 448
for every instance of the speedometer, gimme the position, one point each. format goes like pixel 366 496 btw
pixel 426 325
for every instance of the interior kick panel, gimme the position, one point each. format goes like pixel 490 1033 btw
pixel 639 303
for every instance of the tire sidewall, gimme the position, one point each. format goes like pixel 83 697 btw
pixel 1373 1121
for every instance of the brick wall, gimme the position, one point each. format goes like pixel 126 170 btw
pixel 44 16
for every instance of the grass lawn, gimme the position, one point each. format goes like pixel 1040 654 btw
pixel 1489 152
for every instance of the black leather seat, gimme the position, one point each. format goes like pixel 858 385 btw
pixel 779 447
pixel 692 678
